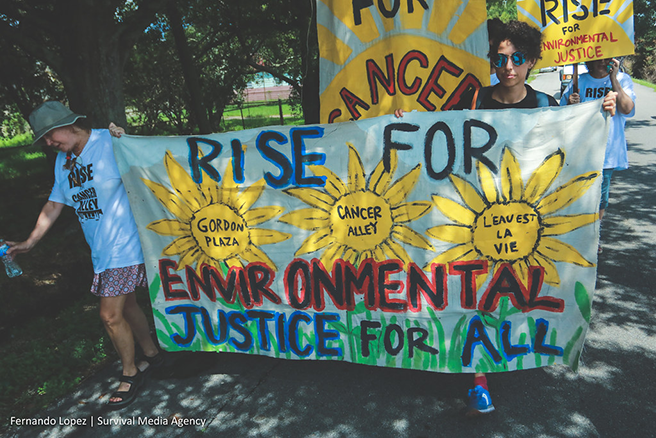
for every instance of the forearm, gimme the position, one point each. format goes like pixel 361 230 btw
pixel 624 102
pixel 49 214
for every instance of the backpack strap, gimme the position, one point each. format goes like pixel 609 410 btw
pixel 474 102
pixel 479 96
pixel 543 99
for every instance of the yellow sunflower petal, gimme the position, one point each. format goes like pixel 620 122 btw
pixel 209 189
pixel 315 242
pixel 229 188
pixel 454 211
pixel 204 259
pixel 249 196
pixel 364 255
pixel 551 276
pixel 234 262
pixel 402 187
pixel 254 254
pixel 312 197
pixel 378 254
pixel 182 183
pixel 409 236
pixel 559 251
pixel 334 185
pixel 256 216
pixel 459 252
pixel 356 176
pixel 521 270
pixel 169 227
pixel 451 233
pixel 543 176
pixel 332 253
pixel 486 179
pixel 395 251
pixel 307 218
pixel 169 200
pixel 380 179
pixel 351 256
pixel 262 236
pixel 556 225
pixel 189 257
pixel 410 211
pixel 468 193
pixel 179 246
pixel 567 193
pixel 511 177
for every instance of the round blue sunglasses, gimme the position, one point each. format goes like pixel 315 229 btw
pixel 501 59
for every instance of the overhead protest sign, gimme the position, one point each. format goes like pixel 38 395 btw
pixel 455 241
pixel 377 56
pixel 577 31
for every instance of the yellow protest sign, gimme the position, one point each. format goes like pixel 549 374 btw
pixel 382 55
pixel 576 31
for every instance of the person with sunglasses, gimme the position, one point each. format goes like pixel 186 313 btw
pixel 87 178
pixel 514 49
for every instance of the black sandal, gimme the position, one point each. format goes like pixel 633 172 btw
pixel 128 396
pixel 154 362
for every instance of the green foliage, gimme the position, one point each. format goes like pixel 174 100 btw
pixel 505 10
pixel 573 362
pixel 21 163
pixel 643 63
pixel 583 301
pixel 17 140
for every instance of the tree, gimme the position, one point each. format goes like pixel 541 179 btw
pixel 86 43
pixel 502 9
pixel 275 37
pixel 644 60
pixel 24 83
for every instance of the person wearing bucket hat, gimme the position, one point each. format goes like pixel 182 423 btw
pixel 87 179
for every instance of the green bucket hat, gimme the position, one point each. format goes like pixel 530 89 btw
pixel 51 115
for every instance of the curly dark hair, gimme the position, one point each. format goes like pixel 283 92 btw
pixel 526 38
pixel 494 26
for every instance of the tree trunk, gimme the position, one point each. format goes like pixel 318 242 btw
pixel 94 85
pixel 189 71
pixel 310 64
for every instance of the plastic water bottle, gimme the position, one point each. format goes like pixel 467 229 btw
pixel 12 268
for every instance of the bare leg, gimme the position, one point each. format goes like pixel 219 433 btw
pixel 139 325
pixel 119 331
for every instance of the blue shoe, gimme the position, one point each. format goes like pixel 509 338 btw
pixel 480 402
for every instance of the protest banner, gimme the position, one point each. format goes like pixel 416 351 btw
pixel 454 241
pixel 577 31
pixel 377 56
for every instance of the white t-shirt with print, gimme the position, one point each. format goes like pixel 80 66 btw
pixel 95 190
pixel 590 89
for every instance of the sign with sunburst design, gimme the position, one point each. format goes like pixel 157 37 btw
pixel 578 31
pixel 377 56
pixel 458 241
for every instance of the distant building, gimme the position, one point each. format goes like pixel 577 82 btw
pixel 266 88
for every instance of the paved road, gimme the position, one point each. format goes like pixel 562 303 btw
pixel 247 396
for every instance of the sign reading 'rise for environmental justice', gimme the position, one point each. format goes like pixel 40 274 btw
pixel 580 30
pixel 454 241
